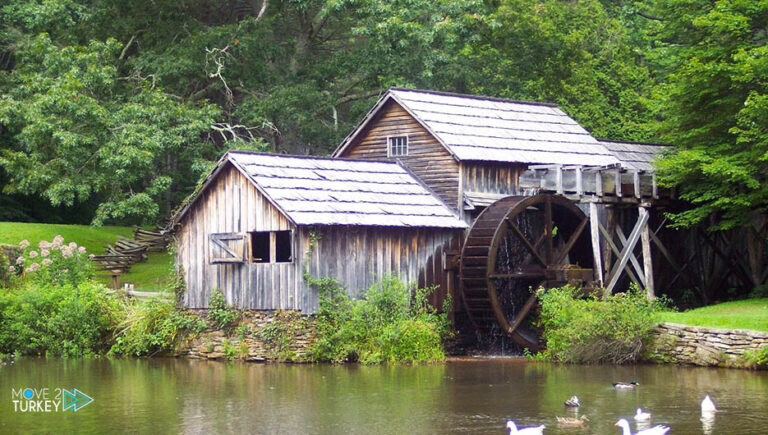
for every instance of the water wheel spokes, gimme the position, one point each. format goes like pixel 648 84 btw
pixel 517 245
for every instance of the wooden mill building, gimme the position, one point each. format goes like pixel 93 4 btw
pixel 484 198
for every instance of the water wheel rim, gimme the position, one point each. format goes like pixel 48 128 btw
pixel 498 216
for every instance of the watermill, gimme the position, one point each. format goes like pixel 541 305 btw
pixel 517 245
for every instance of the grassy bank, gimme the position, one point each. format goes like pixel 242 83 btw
pixel 746 314
pixel 151 275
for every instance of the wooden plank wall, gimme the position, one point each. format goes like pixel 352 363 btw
pixel 232 204
pixel 360 256
pixel 426 157
pixel 488 177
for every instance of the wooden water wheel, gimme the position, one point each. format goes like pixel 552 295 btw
pixel 517 245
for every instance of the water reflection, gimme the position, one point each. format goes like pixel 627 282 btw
pixel 466 396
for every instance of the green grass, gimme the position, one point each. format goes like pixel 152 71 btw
pixel 94 239
pixel 746 314
pixel 151 275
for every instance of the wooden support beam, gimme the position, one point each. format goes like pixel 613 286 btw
pixel 634 237
pixel 654 187
pixel 594 231
pixel 571 241
pixel 559 180
pixel 665 252
pixel 647 260
pixel 636 182
pixel 617 252
pixel 617 181
pixel 599 183
pixel 632 258
pixel 579 184
pixel 273 247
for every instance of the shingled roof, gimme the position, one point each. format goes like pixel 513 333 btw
pixel 634 155
pixel 326 191
pixel 491 129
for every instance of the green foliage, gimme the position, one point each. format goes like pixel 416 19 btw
pixel 715 108
pixel 592 330
pixel 5 263
pixel 392 323
pixel 54 262
pixel 219 313
pixel 230 350
pixel 40 318
pixel 576 54
pixel 154 326
pixel 81 129
pixel 755 359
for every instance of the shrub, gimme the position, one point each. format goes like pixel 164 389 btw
pixel 154 326
pixel 219 313
pixel 392 323
pixel 55 319
pixel 757 359
pixel 54 262
pixel 591 330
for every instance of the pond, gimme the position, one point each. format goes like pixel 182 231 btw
pixel 461 396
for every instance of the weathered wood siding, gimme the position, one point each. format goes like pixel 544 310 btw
pixel 433 164
pixel 360 256
pixel 355 256
pixel 231 204
pixel 489 177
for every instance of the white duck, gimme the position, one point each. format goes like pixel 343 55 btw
pixel 656 430
pixel 708 408
pixel 532 430
pixel 642 415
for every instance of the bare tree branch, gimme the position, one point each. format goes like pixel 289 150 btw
pixel 649 16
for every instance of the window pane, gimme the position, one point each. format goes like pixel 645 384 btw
pixel 260 246
pixel 398 146
pixel 283 246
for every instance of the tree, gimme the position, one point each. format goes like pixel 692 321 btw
pixel 574 54
pixel 716 109
pixel 79 128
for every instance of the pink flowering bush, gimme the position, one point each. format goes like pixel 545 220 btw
pixel 55 263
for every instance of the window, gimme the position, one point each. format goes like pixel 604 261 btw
pixel 271 247
pixel 398 146
pixel 260 247
pixel 227 247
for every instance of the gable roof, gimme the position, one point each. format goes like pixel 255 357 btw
pixel 634 155
pixel 491 129
pixel 326 191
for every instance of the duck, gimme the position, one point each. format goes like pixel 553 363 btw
pixel 573 402
pixel 641 415
pixel 656 430
pixel 531 430
pixel 708 408
pixel 625 386
pixel 570 421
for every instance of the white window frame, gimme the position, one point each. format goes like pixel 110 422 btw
pixel 390 149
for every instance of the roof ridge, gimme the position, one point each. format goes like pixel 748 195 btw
pixel 475 97
pixel 307 157
pixel 633 142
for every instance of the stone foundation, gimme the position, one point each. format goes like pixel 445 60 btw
pixel 259 336
pixel 683 344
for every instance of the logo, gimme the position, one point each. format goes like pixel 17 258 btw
pixel 48 400
pixel 75 399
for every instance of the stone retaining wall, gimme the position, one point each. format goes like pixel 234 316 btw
pixel 683 344
pixel 259 336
